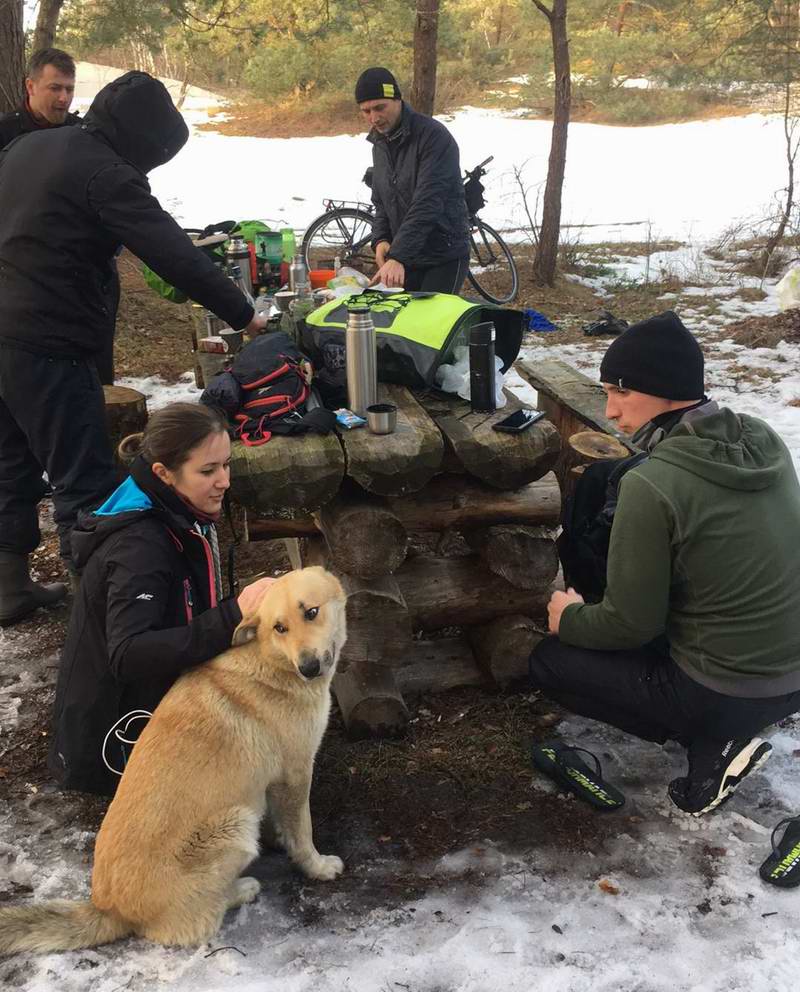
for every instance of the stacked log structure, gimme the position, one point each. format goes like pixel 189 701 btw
pixel 381 515
pixel 404 604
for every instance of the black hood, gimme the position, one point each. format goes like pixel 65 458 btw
pixel 92 529
pixel 136 115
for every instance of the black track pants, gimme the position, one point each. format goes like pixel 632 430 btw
pixel 52 418
pixel 644 693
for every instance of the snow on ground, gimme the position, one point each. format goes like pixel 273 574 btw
pixel 681 180
pixel 690 913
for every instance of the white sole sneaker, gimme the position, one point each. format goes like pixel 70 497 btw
pixel 750 758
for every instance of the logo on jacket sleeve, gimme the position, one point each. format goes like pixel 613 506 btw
pixel 145 595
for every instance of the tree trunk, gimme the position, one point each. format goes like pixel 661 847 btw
pixel 791 144
pixel 426 29
pixel 544 263
pixel 607 78
pixel 12 63
pixel 46 22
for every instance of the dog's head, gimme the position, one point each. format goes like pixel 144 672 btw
pixel 300 621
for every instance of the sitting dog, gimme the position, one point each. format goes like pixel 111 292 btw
pixel 229 737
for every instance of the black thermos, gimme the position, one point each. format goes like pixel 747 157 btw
pixel 481 368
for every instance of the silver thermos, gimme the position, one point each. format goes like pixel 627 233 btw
pixel 299 281
pixel 361 360
pixel 237 253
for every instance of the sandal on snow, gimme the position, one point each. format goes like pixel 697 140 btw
pixel 561 763
pixel 782 867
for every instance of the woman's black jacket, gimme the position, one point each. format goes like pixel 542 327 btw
pixel 146 610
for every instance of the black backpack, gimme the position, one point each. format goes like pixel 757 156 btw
pixel 265 390
pixel 586 525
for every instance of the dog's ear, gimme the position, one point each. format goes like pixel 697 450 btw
pixel 246 631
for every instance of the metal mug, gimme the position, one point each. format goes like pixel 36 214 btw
pixel 382 418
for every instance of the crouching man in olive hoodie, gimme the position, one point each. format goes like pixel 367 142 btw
pixel 697 637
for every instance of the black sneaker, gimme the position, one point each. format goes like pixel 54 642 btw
pixel 715 772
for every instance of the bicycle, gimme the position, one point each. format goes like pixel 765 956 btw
pixel 344 231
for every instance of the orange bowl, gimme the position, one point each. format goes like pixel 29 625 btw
pixel 320 277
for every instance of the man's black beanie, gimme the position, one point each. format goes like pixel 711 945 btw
pixel 657 356
pixel 377 84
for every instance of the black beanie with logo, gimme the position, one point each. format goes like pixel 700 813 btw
pixel 377 84
pixel 657 356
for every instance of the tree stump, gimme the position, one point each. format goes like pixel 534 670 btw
pixel 524 556
pixel 585 448
pixel 364 536
pixel 126 412
pixel 502 648
pixel 459 592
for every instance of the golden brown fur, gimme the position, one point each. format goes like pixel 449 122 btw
pixel 228 737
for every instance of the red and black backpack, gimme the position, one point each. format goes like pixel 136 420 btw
pixel 265 390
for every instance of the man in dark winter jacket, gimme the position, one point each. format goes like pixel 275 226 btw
pixel 68 198
pixel 697 638
pixel 420 233
pixel 49 88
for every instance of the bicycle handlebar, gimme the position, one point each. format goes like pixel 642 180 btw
pixel 479 170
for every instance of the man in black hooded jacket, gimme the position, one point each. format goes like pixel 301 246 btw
pixel 68 198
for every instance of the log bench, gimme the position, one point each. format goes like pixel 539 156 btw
pixel 361 504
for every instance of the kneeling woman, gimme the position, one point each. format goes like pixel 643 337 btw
pixel 150 601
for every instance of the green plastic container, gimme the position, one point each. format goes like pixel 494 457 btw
pixel 272 247
pixel 288 242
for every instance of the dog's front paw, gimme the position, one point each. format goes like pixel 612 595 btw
pixel 325 868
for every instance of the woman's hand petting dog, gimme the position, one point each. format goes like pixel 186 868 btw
pixel 251 595
pixel 559 601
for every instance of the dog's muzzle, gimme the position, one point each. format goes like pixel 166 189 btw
pixel 312 665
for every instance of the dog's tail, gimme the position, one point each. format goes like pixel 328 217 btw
pixel 58 925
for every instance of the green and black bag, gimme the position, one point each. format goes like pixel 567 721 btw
pixel 415 332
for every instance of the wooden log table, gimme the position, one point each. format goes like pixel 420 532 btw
pixel 366 506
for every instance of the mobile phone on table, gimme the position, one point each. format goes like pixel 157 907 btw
pixel 518 421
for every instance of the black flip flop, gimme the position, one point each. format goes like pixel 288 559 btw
pixel 561 762
pixel 782 867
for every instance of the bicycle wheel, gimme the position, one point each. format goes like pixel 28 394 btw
pixel 345 233
pixel 492 269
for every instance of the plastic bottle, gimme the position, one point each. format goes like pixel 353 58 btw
pixel 263 303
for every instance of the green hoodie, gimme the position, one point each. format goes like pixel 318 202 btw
pixel 704 548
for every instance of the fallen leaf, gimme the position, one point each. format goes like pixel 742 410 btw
pixel 607 886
